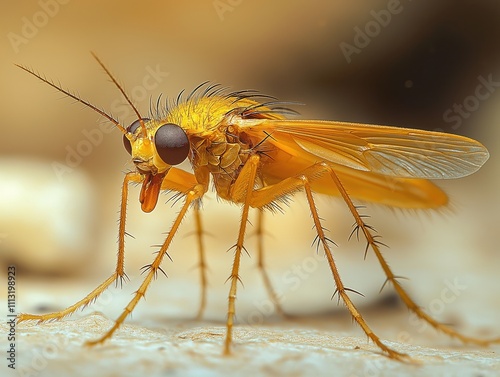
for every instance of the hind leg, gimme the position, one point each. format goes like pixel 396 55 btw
pixel 408 301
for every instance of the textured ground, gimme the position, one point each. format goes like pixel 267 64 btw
pixel 309 347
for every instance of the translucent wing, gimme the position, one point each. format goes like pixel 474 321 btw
pixel 390 151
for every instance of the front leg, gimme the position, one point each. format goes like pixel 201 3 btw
pixel 202 263
pixel 152 269
pixel 117 275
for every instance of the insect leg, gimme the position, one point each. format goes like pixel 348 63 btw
pixel 241 191
pixel 152 270
pixel 341 289
pixel 202 264
pixel 118 275
pixel 181 181
pixel 268 194
pixel 411 305
pixel 261 266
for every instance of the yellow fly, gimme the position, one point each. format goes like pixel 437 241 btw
pixel 257 158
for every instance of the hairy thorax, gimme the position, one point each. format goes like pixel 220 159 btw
pixel 224 155
pixel 217 142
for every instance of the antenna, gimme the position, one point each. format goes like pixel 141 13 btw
pixel 139 117
pixel 75 97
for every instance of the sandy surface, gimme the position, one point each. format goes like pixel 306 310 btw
pixel 193 348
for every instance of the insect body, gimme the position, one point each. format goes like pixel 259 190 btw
pixel 256 157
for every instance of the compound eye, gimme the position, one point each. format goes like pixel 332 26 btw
pixel 131 129
pixel 171 143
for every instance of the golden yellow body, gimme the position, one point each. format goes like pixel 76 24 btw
pixel 364 157
pixel 256 157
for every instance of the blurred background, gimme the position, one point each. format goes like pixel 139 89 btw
pixel 428 65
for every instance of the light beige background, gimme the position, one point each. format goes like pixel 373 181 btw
pixel 426 59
